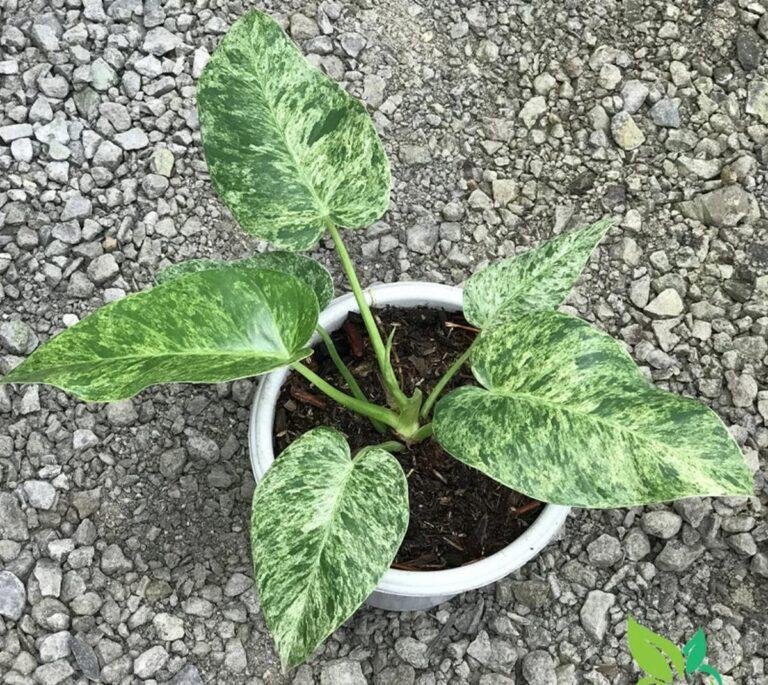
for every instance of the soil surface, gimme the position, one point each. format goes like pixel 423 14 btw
pixel 458 515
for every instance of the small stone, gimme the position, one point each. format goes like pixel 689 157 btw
pixel 13 522
pixel 40 494
pixel 55 646
pixel 677 556
pixel 544 83
pixel 666 304
pixel 532 110
pixel 504 191
pixel 342 672
pixel 633 94
pixel 85 657
pixel 134 139
pixel 122 413
pixel 102 76
pixel 150 662
pixel 84 439
pixel 723 207
pixel 162 162
pixel 114 561
pixel 103 268
pixel 594 613
pixel 609 76
pixel 108 155
pixel 743 543
pixel 154 185
pixel 423 237
pixel 352 43
pixel 604 551
pixel 636 544
pixel 666 113
pixel 17 337
pixel 53 673
pixel 743 390
pixel 759 565
pixel 480 648
pixel 412 652
pixel 535 594
pixel 199 61
pixel 48 575
pixel 539 668
pixel 13 596
pixel 303 28
pixel 749 49
pixel 168 627
pixel 172 463
pixel 757 100
pixel 21 150
pixel 76 207
pixel 662 524
pixel 189 675
pixel 14 132
pixel 237 585
pixel 706 169
pixel 415 155
pixel 159 41
pixel 625 131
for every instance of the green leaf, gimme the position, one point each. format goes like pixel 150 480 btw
pixel 540 278
pixel 695 651
pixel 711 672
pixel 312 272
pixel 287 148
pixel 324 530
pixel 207 327
pixel 654 653
pixel 565 416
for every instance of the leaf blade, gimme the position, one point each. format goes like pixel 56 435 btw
pixel 565 417
pixel 208 327
pixel 287 148
pixel 654 653
pixel 695 651
pixel 540 278
pixel 314 274
pixel 341 524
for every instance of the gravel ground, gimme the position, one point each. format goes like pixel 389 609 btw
pixel 123 528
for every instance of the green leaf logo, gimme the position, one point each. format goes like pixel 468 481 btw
pixel 695 651
pixel 654 654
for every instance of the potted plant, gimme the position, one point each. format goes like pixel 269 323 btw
pixel 557 410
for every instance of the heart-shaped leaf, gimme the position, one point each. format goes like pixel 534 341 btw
pixel 565 416
pixel 312 272
pixel 288 149
pixel 324 530
pixel 208 327
pixel 540 278
pixel 654 653
pixel 695 651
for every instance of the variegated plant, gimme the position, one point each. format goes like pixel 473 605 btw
pixel 559 411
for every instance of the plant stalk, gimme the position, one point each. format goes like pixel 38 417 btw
pixel 387 372
pixel 363 407
pixel 346 374
pixel 450 373
pixel 422 434
pixel 391 446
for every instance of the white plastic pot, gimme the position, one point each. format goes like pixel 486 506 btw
pixel 405 590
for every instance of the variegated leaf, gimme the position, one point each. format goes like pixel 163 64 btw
pixel 324 529
pixel 208 327
pixel 287 148
pixel 540 278
pixel 312 272
pixel 565 417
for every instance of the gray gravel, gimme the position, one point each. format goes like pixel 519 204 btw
pixel 123 529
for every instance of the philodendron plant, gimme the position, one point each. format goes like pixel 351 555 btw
pixel 560 412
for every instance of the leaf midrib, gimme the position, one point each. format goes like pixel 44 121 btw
pixel 299 168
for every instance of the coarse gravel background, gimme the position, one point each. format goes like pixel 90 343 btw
pixel 123 528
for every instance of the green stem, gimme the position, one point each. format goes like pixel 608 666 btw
pixel 387 372
pixel 450 373
pixel 346 373
pixel 372 411
pixel 422 434
pixel 391 446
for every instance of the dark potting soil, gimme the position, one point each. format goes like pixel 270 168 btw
pixel 458 515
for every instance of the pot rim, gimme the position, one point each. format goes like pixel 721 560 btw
pixel 395 581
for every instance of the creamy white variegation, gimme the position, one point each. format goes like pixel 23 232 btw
pixel 324 530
